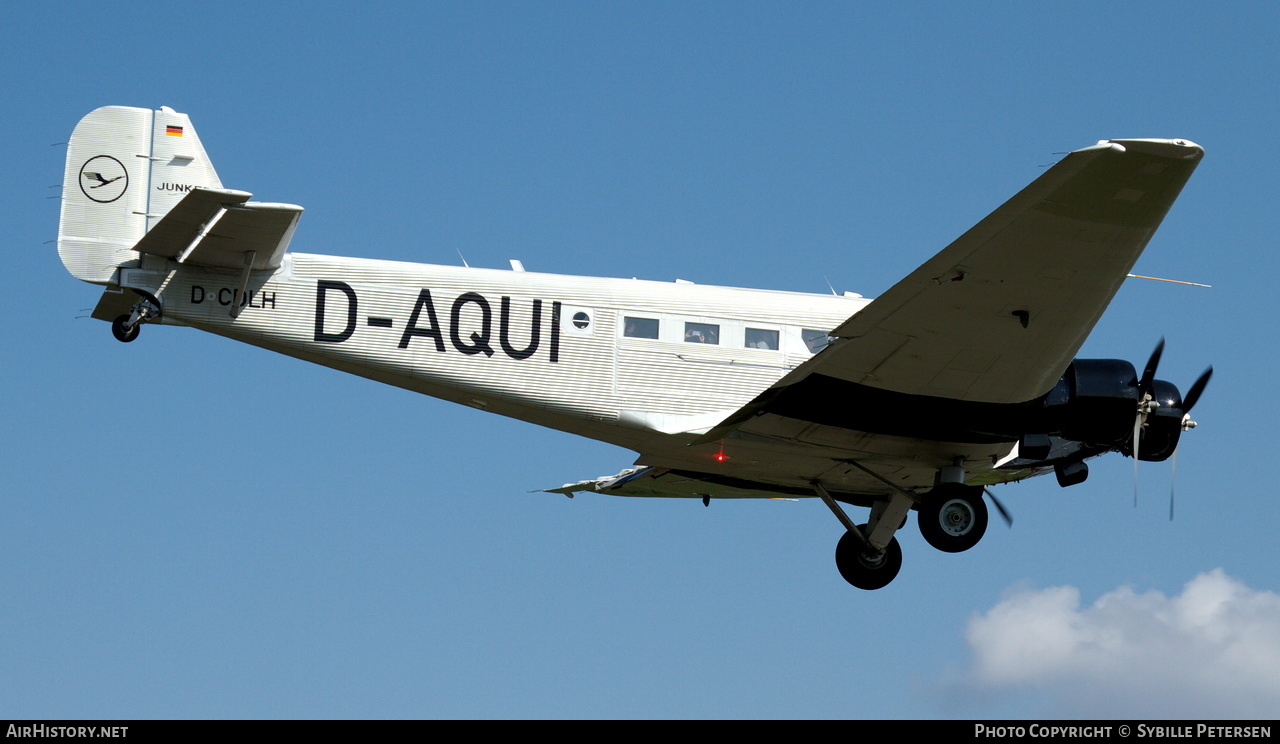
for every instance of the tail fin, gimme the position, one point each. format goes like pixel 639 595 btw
pixel 126 168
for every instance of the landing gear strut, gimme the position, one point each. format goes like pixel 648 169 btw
pixel 126 327
pixel 868 555
pixel 953 517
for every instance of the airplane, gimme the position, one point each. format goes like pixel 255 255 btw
pixel 960 377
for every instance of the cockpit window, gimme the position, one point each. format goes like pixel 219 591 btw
pixel 701 333
pixel 815 340
pixel 759 338
pixel 640 327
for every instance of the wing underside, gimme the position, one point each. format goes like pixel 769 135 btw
pixel 996 317
pixel 667 483
pixel 941 368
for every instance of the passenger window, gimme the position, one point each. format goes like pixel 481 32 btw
pixel 701 333
pixel 640 327
pixel 759 338
pixel 815 340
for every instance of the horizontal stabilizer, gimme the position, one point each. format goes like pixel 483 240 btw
pixel 218 227
pixel 183 224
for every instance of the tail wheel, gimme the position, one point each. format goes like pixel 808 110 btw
pixel 123 332
pixel 953 517
pixel 867 570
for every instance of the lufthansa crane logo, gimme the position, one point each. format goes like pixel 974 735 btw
pixel 103 179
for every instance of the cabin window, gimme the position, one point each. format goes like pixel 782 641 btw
pixel 760 338
pixel 701 333
pixel 640 327
pixel 581 320
pixel 815 340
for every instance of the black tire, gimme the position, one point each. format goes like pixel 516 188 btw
pixel 867 571
pixel 953 517
pixel 123 334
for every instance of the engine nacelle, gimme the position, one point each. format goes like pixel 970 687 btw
pixel 1094 402
pixel 1097 403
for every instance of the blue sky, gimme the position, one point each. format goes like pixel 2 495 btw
pixel 194 528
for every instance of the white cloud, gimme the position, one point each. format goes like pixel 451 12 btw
pixel 1212 651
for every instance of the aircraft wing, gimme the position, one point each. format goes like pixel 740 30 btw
pixel 998 315
pixel 665 482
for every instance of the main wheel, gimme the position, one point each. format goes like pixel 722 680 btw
pixel 867 570
pixel 121 330
pixel 953 517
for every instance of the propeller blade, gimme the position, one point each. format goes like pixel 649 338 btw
pixel 1197 388
pixel 999 507
pixel 1145 403
pixel 1173 480
pixel 1137 433
pixel 1149 372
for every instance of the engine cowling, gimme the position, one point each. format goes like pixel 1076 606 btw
pixel 1164 425
pixel 1098 402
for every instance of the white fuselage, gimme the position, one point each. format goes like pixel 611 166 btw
pixel 574 353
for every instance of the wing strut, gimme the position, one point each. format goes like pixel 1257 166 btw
pixel 914 498
pixel 840 515
pixel 886 515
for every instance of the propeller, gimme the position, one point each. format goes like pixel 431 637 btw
pixel 1197 388
pixel 1193 395
pixel 1149 372
pixel 999 506
pixel 1146 404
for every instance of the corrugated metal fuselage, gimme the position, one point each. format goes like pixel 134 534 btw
pixel 557 351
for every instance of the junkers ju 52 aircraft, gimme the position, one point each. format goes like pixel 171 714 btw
pixel 959 377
